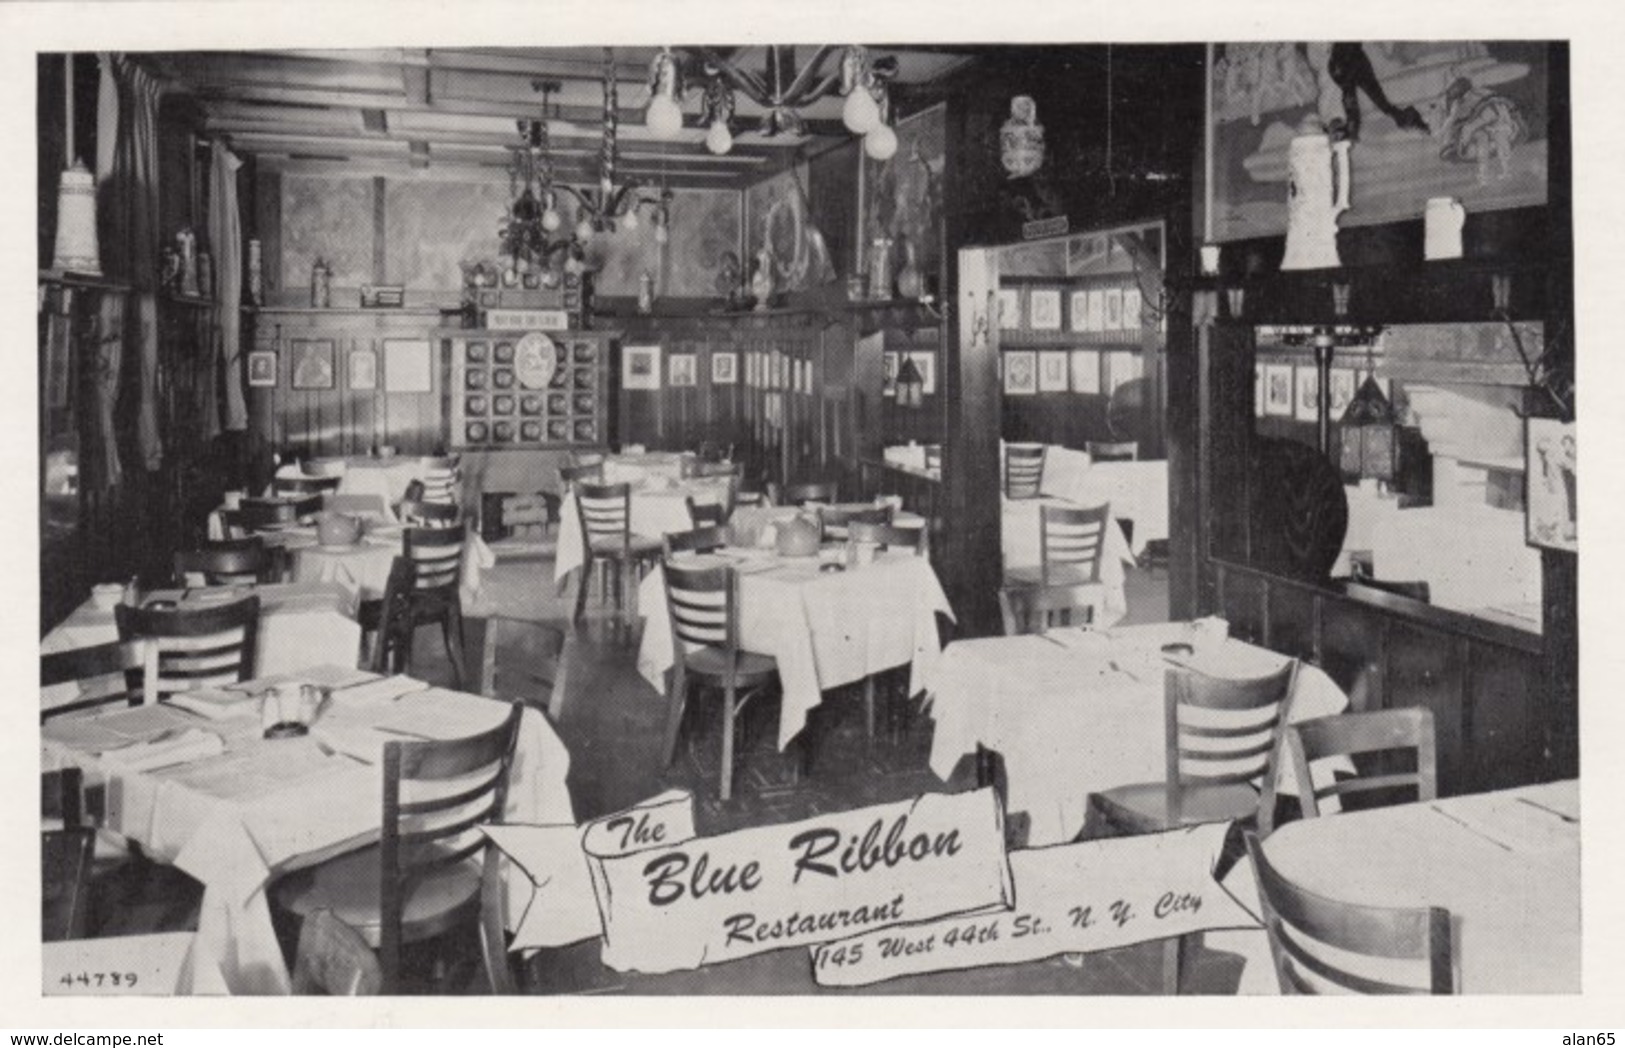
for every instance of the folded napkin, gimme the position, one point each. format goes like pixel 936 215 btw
pixel 166 750
pixel 215 703
pixel 377 692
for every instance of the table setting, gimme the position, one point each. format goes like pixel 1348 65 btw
pixel 659 505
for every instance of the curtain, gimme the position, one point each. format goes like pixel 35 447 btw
pixel 226 241
pixel 135 240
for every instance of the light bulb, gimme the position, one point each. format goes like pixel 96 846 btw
pixel 584 230
pixel 551 220
pixel 661 236
pixel 663 118
pixel 718 140
pixel 881 143
pixel 859 112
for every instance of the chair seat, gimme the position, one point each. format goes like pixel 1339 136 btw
pixel 1143 807
pixel 713 662
pixel 641 546
pixel 1033 575
pixel 348 885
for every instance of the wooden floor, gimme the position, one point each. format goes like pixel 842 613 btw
pixel 612 722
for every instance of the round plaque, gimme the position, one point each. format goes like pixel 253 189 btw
pixel 534 360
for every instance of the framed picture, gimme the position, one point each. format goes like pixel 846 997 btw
pixel 408 365
pixel 1343 386
pixel 1095 312
pixel 1258 390
pixel 1085 371
pixel 1306 405
pixel 682 370
pixel 1044 309
pixel 363 370
pixel 1122 365
pixel 927 365
pixel 1549 466
pixel 313 366
pixel 1112 300
pixel 262 367
pixel 1052 368
pixel 891 360
pixel 1131 309
pixel 1009 309
pixel 1278 389
pixel 1077 310
pixel 724 369
pixel 640 367
pixel 1021 372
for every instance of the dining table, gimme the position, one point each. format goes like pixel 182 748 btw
pixel 1504 864
pixel 659 505
pixel 386 477
pixel 362 567
pixel 300 622
pixel 1079 711
pixel 241 809
pixel 1021 545
pixel 825 628
pixel 634 467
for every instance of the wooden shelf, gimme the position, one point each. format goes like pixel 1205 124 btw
pixel 85 280
pixel 351 311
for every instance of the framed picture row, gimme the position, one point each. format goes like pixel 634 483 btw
pixel 1097 371
pixel 1052 310
pixel 1292 390
pixel 532 389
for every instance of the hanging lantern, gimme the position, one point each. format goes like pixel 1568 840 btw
pixel 910 384
pixel 1370 435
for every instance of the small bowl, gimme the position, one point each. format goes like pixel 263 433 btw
pixel 107 595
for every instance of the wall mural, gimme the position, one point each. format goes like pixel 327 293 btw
pixel 432 226
pixel 704 228
pixel 903 195
pixel 331 219
pixel 1465 119
pixel 780 231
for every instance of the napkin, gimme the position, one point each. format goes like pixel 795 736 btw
pixel 215 703
pixel 378 692
pixel 358 741
pixel 165 750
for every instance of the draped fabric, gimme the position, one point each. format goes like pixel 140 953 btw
pixel 226 241
pixel 100 469
pixel 135 240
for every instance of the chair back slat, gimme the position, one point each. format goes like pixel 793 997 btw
pixel 1225 731
pixel 421 513
pixel 1071 542
pixel 886 536
pixel 589 473
pixel 1023 470
pixel 437 555
pixel 706 514
pixel 836 519
pixel 1324 945
pixel 441 475
pixel 191 647
pixel 226 563
pixel 811 491
pixel 702 603
pixel 306 485
pixel 707 539
pixel 1112 450
pixel 1377 740
pixel 254 514
pixel 606 513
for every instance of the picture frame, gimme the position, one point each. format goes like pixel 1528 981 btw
pixel 262 367
pixel 750 370
pixel 1021 372
pixel 361 373
pixel 682 370
pixel 1095 312
pixel 1009 309
pixel 1132 303
pixel 1258 390
pixel 891 361
pixel 1278 390
pixel 1052 371
pixel 408 365
pixel 1044 309
pixel 927 365
pixel 1550 494
pixel 1122 365
pixel 1085 371
pixel 1306 399
pixel 1344 381
pixel 313 366
pixel 1077 310
pixel 724 368
pixel 1112 303
pixel 640 367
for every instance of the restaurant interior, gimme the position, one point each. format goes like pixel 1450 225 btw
pixel 1106 511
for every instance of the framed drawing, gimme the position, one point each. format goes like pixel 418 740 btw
pixel 1342 388
pixel 1113 302
pixel 1131 309
pixel 1095 313
pixel 1044 309
pixel 1122 366
pixel 640 367
pixel 1306 405
pixel 408 365
pixel 363 370
pixel 1085 371
pixel 1278 390
pixel 1258 390
pixel 724 369
pixel 1052 368
pixel 1009 309
pixel 927 365
pixel 1550 498
pixel 1021 372
pixel 890 362
pixel 262 367
pixel 1077 309
pixel 682 370
pixel 313 366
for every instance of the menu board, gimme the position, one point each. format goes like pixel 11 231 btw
pixel 528 389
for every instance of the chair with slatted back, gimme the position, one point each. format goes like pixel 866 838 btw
pixel 1112 450
pixel 885 536
pixel 589 473
pixel 389 620
pixel 706 514
pixel 706 539
pixel 1023 470
pixel 305 485
pixel 99 671
pixel 1376 739
pixel 191 647
pixel 424 514
pixel 67 856
pixel 441 476
pixel 1071 543
pixel 334 960
pixel 229 562
pixel 525 661
pixel 703 604
pixel 254 514
pixel 423 878
pixel 1324 945
pixel 437 558
pixel 836 519
pixel 1034 609
pixel 605 512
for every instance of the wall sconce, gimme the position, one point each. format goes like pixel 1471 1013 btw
pixel 1501 291
pixel 1236 298
pixel 1340 298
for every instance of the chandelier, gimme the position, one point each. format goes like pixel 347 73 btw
pixel 610 207
pixel 528 233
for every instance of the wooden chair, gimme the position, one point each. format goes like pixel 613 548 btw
pixel 231 562
pixel 67 857
pixel 99 670
pixel 424 514
pixel 306 485
pixel 1377 737
pixel 441 476
pixel 334 960
pixel 1034 609
pixel 1023 470
pixel 1112 450
pixel 707 514
pixel 1314 940
pixel 704 609
pixel 1211 762
pixel 886 536
pixel 190 648
pixel 825 491
pixel 605 511
pixel 390 621
pixel 534 655
pixel 494 928
pixel 570 476
pixel 423 878
pixel 837 519
pixel 437 557
pixel 269 514
pixel 1071 543
pixel 708 539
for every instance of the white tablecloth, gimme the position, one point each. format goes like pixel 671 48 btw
pixel 1508 872
pixel 824 628
pixel 300 624
pixel 634 468
pixel 1079 719
pixel 371 476
pixel 1472 557
pixel 1019 543
pixel 363 569
pixel 236 820
pixel 658 507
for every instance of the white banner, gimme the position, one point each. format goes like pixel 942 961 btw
pixel 559 908
pixel 717 899
pixel 1070 898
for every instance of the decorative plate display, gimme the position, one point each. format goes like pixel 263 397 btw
pixel 585 353
pixel 475 405
pixel 475 379
pixel 502 378
pixel 476 352
pixel 476 432
pixel 530 431
pixel 503 432
pixel 558 429
pixel 535 360
pixel 558 404
pixel 502 404
pixel 584 378
pixel 584 403
pixel 504 354
pixel 530 404
pixel 585 431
